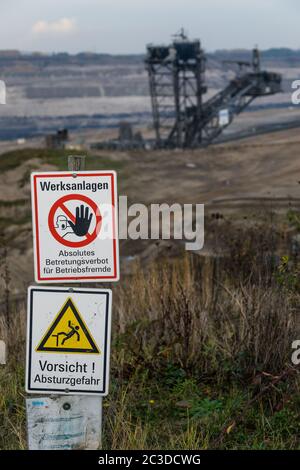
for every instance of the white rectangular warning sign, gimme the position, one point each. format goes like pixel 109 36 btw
pixel 68 340
pixel 75 226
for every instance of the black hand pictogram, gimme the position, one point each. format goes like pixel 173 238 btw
pixel 82 221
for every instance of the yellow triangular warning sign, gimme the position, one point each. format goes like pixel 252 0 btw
pixel 68 333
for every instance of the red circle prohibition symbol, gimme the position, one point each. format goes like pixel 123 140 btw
pixel 60 204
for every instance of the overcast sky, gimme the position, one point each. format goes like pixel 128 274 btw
pixel 125 26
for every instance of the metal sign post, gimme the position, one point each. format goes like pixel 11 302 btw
pixel 2 352
pixel 68 329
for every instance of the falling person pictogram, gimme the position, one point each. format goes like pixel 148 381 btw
pixel 68 333
pixel 73 331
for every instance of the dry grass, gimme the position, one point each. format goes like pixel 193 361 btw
pixel 164 315
pixel 193 339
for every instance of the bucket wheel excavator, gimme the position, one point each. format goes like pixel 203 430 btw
pixel 181 116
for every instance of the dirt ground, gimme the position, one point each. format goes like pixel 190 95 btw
pixel 253 174
pixel 245 172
